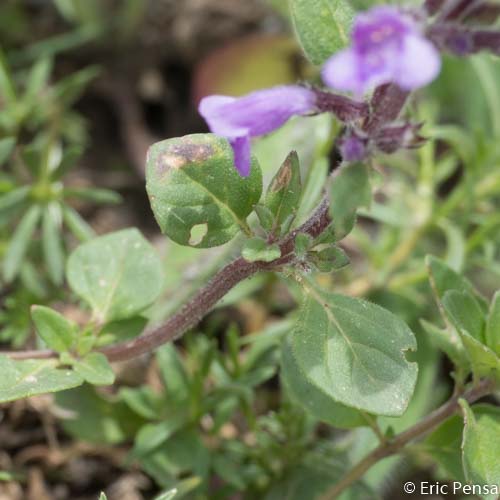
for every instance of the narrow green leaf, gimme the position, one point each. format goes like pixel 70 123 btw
pixel 95 369
pixel 493 325
pixel 101 196
pixel 118 274
pixel 38 78
pixel 21 379
pixel 71 155
pixel 6 146
pixel 464 312
pixel 13 198
pixel 191 181
pixel 322 26
pixel 19 243
pixel 167 495
pixel 355 352
pixel 283 193
pixel 480 445
pixel 320 404
pixel 7 88
pixel 54 329
pixel 173 374
pixel 103 496
pixel 257 249
pixel 51 242
pixel 153 435
pixel 349 190
pixel 77 225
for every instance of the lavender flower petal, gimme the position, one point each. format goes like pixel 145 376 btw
pixel 387 46
pixel 241 149
pixel 420 63
pixel 257 113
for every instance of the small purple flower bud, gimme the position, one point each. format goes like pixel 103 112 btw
pixel 353 148
pixel 258 113
pixel 387 46
pixel 393 137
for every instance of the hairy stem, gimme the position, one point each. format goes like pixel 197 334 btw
pixel 420 429
pixel 201 303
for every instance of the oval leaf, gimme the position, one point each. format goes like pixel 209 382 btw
pixel 320 404
pixel 118 274
pixel 480 445
pixel 55 330
pixel 322 26
pixel 21 379
pixel 355 352
pixel 192 182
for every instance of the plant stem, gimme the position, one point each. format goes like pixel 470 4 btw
pixel 420 429
pixel 201 303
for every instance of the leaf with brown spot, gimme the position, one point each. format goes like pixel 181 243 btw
pixel 197 196
pixel 283 194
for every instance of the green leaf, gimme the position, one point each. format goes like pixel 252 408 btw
pixel 349 190
pixel 283 193
pixel 443 278
pixel 322 26
pixel 7 87
pixel 6 146
pixel 483 360
pixel 51 242
pixel 173 373
pixel 118 274
pixel 54 329
pixel 167 495
pixel 123 329
pixel 103 496
pixel 95 369
pixel 191 181
pixel 21 379
pixel 464 312
pixel 13 198
pixel 257 249
pixel 94 194
pixel 96 417
pixel 493 325
pixel 329 259
pixel 355 352
pixel 266 217
pixel 77 225
pixel 444 446
pixel 320 404
pixel 303 242
pixel 449 342
pixel 38 78
pixel 19 243
pixel 480 445
pixel 153 435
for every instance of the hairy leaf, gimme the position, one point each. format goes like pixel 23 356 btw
pixel 355 352
pixel 192 182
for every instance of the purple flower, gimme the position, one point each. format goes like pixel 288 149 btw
pixel 258 113
pixel 387 47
